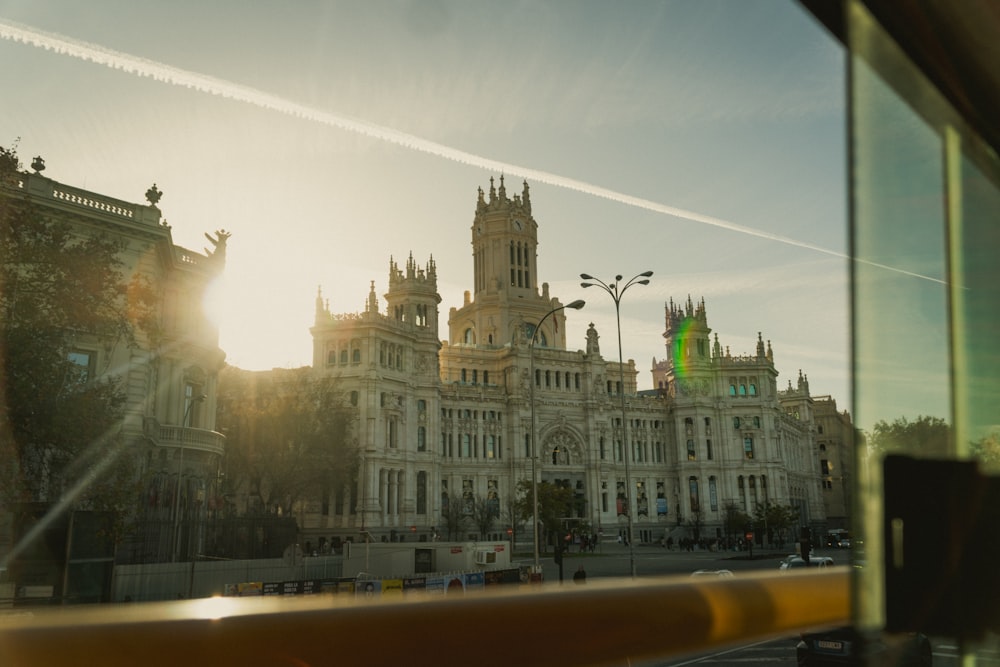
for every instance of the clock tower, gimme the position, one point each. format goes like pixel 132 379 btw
pixel 505 303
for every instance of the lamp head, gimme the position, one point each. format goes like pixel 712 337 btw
pixel 646 274
pixel 576 305
pixel 586 284
pixel 586 276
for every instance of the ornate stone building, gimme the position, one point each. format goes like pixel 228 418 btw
pixel 444 419
pixel 169 421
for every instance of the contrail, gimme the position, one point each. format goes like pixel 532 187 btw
pixel 178 77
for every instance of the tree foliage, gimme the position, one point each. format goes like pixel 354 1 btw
pixel 60 420
pixel 454 516
pixel 554 504
pixel 775 521
pixel 484 515
pixel 928 436
pixel 289 436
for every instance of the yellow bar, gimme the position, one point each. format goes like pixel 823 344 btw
pixel 603 621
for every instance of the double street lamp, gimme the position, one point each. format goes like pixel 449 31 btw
pixel 575 305
pixel 616 290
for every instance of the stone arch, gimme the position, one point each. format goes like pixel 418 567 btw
pixel 563 447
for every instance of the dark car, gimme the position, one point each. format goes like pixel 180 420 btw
pixel 847 646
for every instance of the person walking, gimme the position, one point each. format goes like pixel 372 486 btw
pixel 580 576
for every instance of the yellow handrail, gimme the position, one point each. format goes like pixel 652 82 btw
pixel 601 622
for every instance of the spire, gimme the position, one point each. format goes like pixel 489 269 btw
pixel 716 349
pixel 319 302
pixel 525 199
pixel 760 346
pixel 503 190
pixel 493 191
pixel 372 300
pixel 770 353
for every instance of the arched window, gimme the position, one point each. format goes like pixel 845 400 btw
pixel 743 390
pixel 753 389
pixel 343 356
pixel 356 355
pixel 732 390
pixel 469 338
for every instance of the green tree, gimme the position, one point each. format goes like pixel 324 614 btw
pixel 734 520
pixel 555 503
pixel 775 521
pixel 289 436
pixel 61 417
pixel 926 436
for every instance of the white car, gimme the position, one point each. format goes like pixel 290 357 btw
pixel 794 562
pixel 712 573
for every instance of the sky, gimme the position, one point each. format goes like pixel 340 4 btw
pixel 702 140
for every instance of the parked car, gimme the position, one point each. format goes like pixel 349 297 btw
pixel 847 646
pixel 793 562
pixel 712 573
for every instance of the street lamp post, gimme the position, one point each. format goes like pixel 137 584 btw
pixel 575 305
pixel 180 471
pixel 616 290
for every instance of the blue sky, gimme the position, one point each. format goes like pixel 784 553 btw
pixel 730 110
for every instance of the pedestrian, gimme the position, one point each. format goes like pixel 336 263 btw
pixel 580 576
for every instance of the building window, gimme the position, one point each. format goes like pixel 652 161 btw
pixel 693 492
pixel 743 390
pixel 713 495
pixel 466 451
pixel 732 390
pixel 468 496
pixel 748 447
pixel 354 398
pixel 824 467
pixel 421 406
pixel 356 356
pixel 601 447
pixel 708 449
pixel 391 432
pixel 736 422
pixel 421 439
pixel 527 446
pixel 756 422
pixel 421 492
pixel 753 389
pixel 691 451
pixel 343 356
pixel 491 446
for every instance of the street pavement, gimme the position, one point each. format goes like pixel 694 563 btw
pixel 611 559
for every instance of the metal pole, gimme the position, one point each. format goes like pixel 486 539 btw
pixel 616 291
pixel 576 305
pixel 176 530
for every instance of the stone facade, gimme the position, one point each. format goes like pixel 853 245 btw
pixel 442 419
pixel 170 381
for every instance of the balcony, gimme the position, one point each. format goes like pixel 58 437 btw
pixel 199 439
